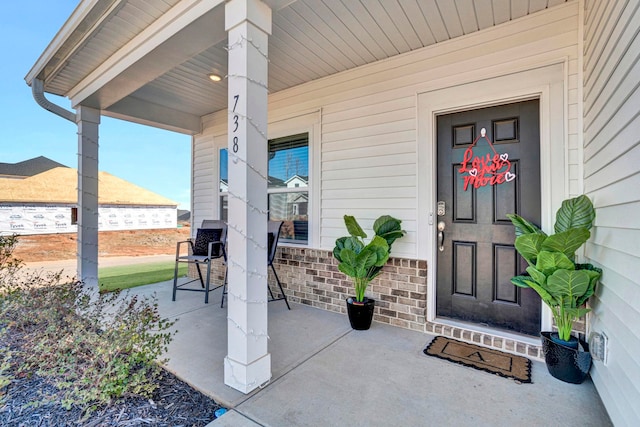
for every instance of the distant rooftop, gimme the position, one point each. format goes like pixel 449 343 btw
pixel 58 185
pixel 42 180
pixel 29 167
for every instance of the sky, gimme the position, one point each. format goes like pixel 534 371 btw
pixel 151 158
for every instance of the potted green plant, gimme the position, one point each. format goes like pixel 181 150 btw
pixel 563 284
pixel 363 262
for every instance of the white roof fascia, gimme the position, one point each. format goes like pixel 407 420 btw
pixel 77 46
pixel 176 19
pixel 77 16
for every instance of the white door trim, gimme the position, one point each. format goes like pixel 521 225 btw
pixel 548 84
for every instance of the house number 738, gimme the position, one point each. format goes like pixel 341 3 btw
pixel 235 123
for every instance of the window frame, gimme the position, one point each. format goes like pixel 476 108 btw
pixel 309 189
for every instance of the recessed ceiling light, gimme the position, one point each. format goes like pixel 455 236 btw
pixel 215 77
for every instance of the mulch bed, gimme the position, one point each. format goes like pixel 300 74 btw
pixel 174 404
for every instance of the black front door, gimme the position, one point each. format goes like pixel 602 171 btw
pixel 488 166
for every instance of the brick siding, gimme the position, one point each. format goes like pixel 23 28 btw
pixel 311 277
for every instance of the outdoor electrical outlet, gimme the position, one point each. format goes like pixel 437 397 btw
pixel 598 342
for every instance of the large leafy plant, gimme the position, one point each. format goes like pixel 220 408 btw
pixel 362 261
pixel 552 272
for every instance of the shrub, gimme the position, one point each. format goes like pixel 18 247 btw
pixel 93 348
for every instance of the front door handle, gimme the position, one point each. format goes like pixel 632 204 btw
pixel 441 226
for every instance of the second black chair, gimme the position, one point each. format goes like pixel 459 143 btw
pixel 273 235
pixel 273 229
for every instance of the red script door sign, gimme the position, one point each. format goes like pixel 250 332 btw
pixel 485 170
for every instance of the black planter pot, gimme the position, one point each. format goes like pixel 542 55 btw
pixel 360 313
pixel 572 343
pixel 565 363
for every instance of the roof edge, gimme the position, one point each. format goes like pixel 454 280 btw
pixel 87 12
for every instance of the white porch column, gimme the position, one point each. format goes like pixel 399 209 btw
pixel 248 363
pixel 88 120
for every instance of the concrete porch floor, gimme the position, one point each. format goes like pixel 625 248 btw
pixel 325 373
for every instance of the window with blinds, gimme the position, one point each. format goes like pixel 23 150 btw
pixel 287 186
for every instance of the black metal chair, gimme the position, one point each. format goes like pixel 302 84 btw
pixel 209 245
pixel 273 229
pixel 273 235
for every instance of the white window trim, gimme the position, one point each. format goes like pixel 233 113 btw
pixel 308 123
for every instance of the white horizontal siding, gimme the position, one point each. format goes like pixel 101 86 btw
pixel 620 377
pixel 204 186
pixel 378 182
pixel 626 240
pixel 370 161
pixel 364 173
pixel 618 192
pixel 375 193
pixel 601 155
pixel 373 128
pixel 368 203
pixel 356 109
pixel 369 142
pixel 369 136
pixel 365 149
pixel 348 152
pixel 613 172
pixel 367 154
pixel 607 217
pixel 612 179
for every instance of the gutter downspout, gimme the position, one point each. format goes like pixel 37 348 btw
pixel 37 89
pixel 87 120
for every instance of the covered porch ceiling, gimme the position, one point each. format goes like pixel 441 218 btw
pixel 148 61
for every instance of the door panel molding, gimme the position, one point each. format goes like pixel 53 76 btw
pixel 464 280
pixel 548 84
pixel 501 254
pixel 479 269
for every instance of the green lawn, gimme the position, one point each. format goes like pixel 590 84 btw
pixel 129 276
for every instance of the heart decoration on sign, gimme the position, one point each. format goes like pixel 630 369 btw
pixel 485 170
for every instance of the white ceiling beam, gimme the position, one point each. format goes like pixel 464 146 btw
pixel 187 29
pixel 279 4
pixel 143 112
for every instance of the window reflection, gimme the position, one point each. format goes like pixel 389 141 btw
pixel 288 181
pixel 292 209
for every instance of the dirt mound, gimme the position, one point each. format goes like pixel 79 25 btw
pixel 54 247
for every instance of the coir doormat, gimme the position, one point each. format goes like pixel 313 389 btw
pixel 485 359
